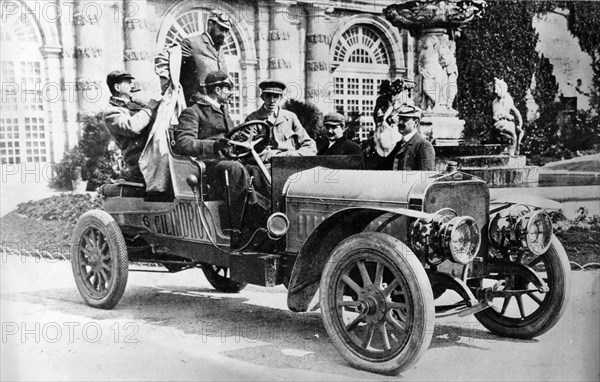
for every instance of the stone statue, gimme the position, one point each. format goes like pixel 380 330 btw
pixel 391 95
pixel 431 75
pixel 450 87
pixel 505 113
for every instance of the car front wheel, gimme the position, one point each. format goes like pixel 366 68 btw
pixel 527 312
pixel 219 278
pixel 99 259
pixel 376 303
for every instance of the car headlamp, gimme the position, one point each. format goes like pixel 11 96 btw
pixel 519 226
pixel 460 239
pixel 446 235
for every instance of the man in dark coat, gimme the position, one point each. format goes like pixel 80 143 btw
pixel 200 133
pixel 413 152
pixel 201 55
pixel 337 143
pixel 128 119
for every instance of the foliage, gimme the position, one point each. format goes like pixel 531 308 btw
pixel 310 116
pixel 353 126
pixel 64 207
pixel 95 143
pixel 64 172
pixel 500 44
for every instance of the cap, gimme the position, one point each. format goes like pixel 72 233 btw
pixel 272 86
pixel 409 111
pixel 117 76
pixel 217 78
pixel 220 18
pixel 334 119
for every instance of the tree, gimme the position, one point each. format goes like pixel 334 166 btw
pixel 499 44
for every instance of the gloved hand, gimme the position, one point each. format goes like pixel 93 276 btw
pixel 220 144
pixel 146 99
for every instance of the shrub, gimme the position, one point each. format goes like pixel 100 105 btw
pixel 310 116
pixel 100 160
pixel 64 172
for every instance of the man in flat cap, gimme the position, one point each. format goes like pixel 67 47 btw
pixel 200 55
pixel 337 143
pixel 412 152
pixel 128 119
pixel 288 137
pixel 200 133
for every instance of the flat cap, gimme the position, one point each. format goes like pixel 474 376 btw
pixel 272 86
pixel 334 119
pixel 217 78
pixel 220 18
pixel 409 111
pixel 117 76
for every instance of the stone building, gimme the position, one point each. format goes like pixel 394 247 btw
pixel 56 54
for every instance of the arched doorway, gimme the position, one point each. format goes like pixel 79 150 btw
pixel 24 135
pixel 360 61
pixel 193 22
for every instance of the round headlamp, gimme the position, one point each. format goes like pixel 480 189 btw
pixel 460 239
pixel 277 225
pixel 535 231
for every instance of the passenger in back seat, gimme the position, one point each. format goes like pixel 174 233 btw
pixel 128 119
pixel 200 133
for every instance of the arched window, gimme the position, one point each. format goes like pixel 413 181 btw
pixel 192 23
pixel 360 62
pixel 23 110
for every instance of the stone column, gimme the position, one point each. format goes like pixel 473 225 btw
pixel 318 78
pixel 280 34
pixel 53 92
pixel 138 55
pixel 89 55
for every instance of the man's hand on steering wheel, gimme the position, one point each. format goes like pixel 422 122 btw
pixel 221 144
pixel 268 153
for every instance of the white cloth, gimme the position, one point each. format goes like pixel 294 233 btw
pixel 154 161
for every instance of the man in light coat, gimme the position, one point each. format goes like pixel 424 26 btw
pixel 128 119
pixel 288 137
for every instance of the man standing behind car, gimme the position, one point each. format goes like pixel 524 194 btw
pixel 200 133
pixel 128 119
pixel 413 152
pixel 337 143
pixel 288 137
pixel 200 55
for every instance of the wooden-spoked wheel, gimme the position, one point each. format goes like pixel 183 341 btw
pixel 528 312
pixel 99 259
pixel 377 303
pixel 219 278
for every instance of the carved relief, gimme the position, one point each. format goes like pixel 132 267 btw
pixel 137 55
pixel 85 85
pixel 81 20
pixel 279 63
pixel 316 38
pixel 318 93
pixel 87 52
pixel 276 34
pixel 315 65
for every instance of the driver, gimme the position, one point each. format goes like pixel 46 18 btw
pixel 289 137
pixel 201 133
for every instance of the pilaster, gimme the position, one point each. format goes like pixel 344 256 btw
pixel 317 65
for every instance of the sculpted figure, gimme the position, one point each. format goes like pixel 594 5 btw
pixel 450 88
pixel 505 113
pixel 431 74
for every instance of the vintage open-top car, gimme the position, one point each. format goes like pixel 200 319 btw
pixel 384 250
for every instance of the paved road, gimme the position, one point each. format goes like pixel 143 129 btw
pixel 175 327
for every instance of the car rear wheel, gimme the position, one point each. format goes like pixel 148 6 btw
pixel 376 303
pixel 219 278
pixel 527 313
pixel 99 259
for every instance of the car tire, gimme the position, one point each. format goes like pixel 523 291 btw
pixel 377 284
pixel 219 279
pixel 500 320
pixel 99 259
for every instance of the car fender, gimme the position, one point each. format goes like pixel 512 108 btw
pixel 316 250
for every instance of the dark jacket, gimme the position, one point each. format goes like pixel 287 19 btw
pixel 415 155
pixel 129 124
pixel 342 146
pixel 199 125
pixel 199 58
pixel 288 134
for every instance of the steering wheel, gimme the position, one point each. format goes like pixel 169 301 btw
pixel 247 139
